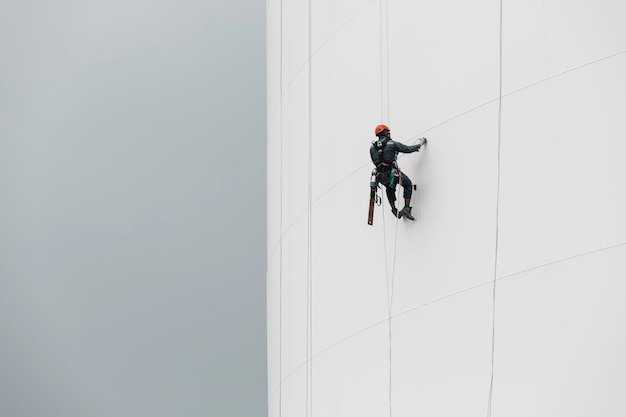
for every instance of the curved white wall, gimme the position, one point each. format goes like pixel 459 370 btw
pixel 555 190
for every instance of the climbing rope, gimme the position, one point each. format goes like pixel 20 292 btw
pixel 385 111
pixel 495 266
pixel 280 278
pixel 309 301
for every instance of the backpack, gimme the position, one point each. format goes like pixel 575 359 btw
pixel 380 147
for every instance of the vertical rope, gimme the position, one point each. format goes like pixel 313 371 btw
pixel 389 294
pixel 280 279
pixel 384 115
pixel 387 57
pixel 495 266
pixel 309 372
pixel 382 77
pixel 390 306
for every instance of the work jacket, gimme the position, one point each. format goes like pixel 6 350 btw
pixel 386 159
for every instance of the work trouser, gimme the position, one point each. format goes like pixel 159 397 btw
pixel 390 179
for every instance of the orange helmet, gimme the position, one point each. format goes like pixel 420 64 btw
pixel 380 129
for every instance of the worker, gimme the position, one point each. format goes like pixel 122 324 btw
pixel 384 152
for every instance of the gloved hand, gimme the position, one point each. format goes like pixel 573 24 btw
pixel 422 141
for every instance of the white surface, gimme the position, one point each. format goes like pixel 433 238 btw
pixel 561 230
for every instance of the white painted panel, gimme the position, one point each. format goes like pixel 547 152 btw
pixel 273 409
pixel 526 52
pixel 295 295
pixel 441 356
pixel 295 392
pixel 443 61
pixel 544 38
pixel 349 280
pixel 562 166
pixel 581 31
pixel 295 29
pixel 351 379
pixel 560 339
pixel 295 149
pixel 451 245
pixel 346 90
pixel 331 17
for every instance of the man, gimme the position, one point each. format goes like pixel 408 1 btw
pixel 384 152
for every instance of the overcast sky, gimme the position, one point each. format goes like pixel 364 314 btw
pixel 132 208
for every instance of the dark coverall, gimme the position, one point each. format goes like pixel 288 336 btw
pixel 387 169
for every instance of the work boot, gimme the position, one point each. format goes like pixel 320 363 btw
pixel 406 212
pixel 396 213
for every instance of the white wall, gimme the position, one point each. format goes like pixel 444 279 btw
pixel 551 195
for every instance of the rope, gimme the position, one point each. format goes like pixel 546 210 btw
pixel 387 58
pixel 390 311
pixel 495 266
pixel 280 279
pixel 309 301
pixel 382 111
pixel 389 297
pixel 389 292
pixel 385 99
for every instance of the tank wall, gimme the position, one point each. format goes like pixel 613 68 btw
pixel 527 185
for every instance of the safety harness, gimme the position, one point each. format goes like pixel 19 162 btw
pixel 383 166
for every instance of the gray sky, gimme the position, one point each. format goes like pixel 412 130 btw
pixel 132 208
